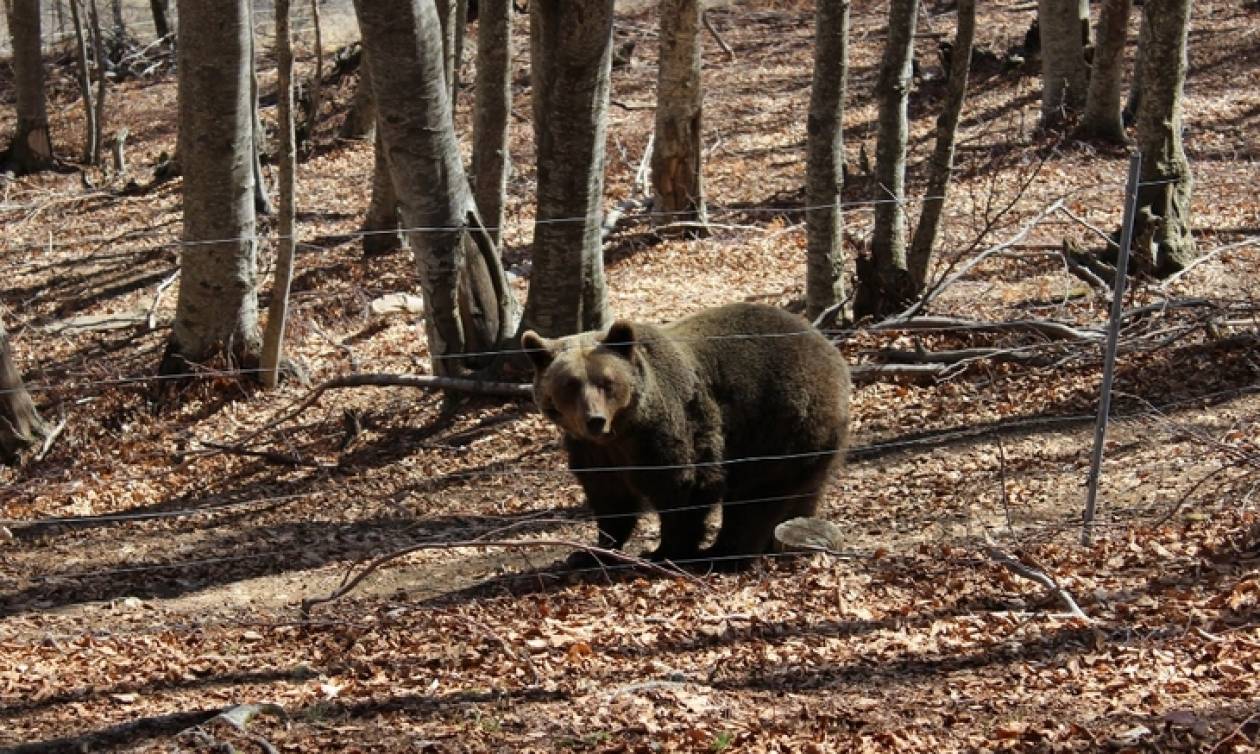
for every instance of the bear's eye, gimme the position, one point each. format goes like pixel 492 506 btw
pixel 572 385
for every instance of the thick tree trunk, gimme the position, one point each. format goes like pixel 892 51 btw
pixel 468 304
pixel 20 425
pixel 824 164
pixel 217 310
pixel 1134 100
pixel 1102 118
pixel 1064 72
pixel 161 10
pixel 278 309
pixel 85 85
pixel 380 223
pixel 571 50
pixel 677 182
pixel 1164 195
pixel 941 166
pixel 885 285
pixel 491 111
pixel 31 148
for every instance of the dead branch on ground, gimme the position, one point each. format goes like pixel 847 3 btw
pixel 1020 568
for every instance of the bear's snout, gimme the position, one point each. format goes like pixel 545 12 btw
pixel 596 424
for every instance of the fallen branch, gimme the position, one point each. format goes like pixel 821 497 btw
pixel 49 439
pixel 959 356
pixel 1020 568
pixel 376 379
pixel 235 719
pixel 708 24
pixel 1048 328
pixel 282 459
pixel 348 584
pixel 151 321
pixel 1087 268
pixel 864 374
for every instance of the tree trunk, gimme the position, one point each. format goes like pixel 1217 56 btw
pixel 824 164
pixel 20 425
pixel 161 17
pixel 98 133
pixel 468 306
pixel 380 224
pixel 278 309
pixel 1102 118
pixel 317 78
pixel 885 285
pixel 361 119
pixel 941 166
pixel 677 182
pixel 31 148
pixel 571 51
pixel 217 310
pixel 1135 86
pixel 457 49
pixel 262 198
pixel 1064 73
pixel 1164 194
pixel 91 140
pixel 447 11
pixel 491 111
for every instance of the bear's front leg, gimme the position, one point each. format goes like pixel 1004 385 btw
pixel 608 494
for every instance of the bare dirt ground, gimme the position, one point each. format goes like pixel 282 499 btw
pixel 148 581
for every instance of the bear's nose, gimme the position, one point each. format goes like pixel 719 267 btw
pixel 596 424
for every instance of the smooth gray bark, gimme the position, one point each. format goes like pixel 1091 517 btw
pixel 90 140
pixel 677 164
pixel 20 425
pixel 1163 214
pixel 884 281
pixel 824 163
pixel 1103 118
pixel 571 58
pixel 1064 72
pixel 31 148
pixel 217 310
pixel 468 305
pixel 492 108
pixel 278 308
pixel 941 166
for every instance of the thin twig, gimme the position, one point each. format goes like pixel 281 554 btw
pixel 1033 574
pixel 708 24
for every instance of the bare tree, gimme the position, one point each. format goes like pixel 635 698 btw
pixel 1163 203
pixel 1134 99
pixel 1103 118
pixel 380 222
pixel 571 56
pixel 824 164
pixel 31 147
pixel 98 125
pixel 941 166
pixel 884 282
pixel 317 76
pixel 217 310
pixel 468 304
pixel 677 164
pixel 91 139
pixel 20 425
pixel 278 309
pixel 161 10
pixel 1064 72
pixel 491 110
pixel 262 199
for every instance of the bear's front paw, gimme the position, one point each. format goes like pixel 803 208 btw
pixel 580 560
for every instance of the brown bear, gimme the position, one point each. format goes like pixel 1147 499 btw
pixel 744 405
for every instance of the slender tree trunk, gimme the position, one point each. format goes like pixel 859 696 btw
pixel 457 49
pixel 1064 73
pixel 262 198
pixel 278 309
pixel 380 224
pixel 20 425
pixel 361 119
pixel 91 139
pixel 677 170
pixel 491 111
pixel 571 51
pixel 468 305
pixel 161 17
pixel 824 164
pixel 447 11
pixel 1163 203
pixel 941 167
pixel 31 148
pixel 120 26
pixel 217 310
pixel 1102 118
pixel 1134 100
pixel 317 78
pixel 885 285
pixel 98 134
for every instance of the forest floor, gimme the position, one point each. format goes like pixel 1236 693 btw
pixel 148 580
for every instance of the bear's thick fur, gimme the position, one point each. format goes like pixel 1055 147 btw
pixel 744 405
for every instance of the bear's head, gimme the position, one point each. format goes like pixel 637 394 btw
pixel 584 383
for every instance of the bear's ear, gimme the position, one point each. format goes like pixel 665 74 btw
pixel 537 349
pixel 621 339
